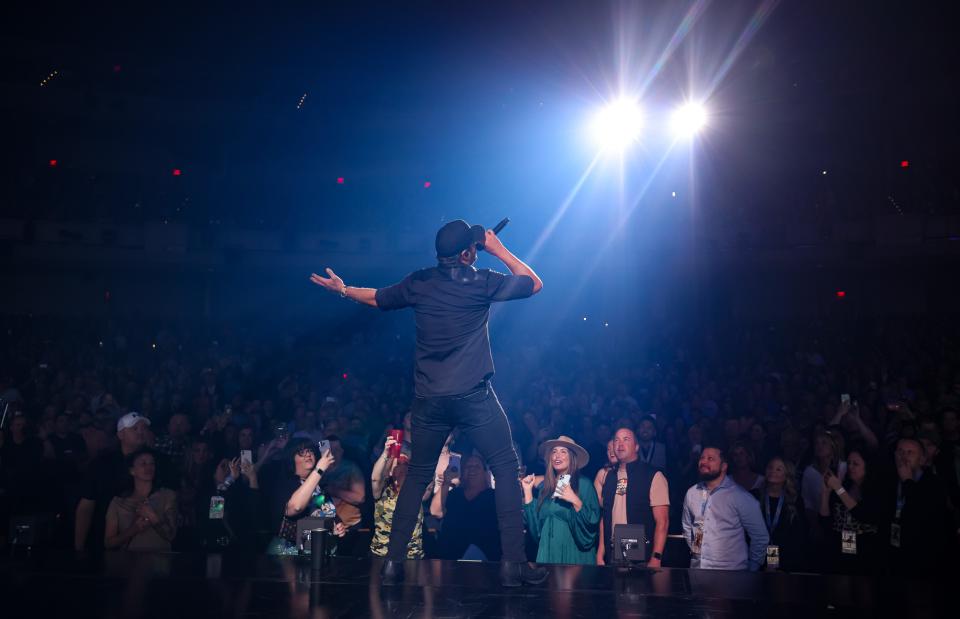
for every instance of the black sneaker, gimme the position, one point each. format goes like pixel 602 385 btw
pixel 513 574
pixel 391 573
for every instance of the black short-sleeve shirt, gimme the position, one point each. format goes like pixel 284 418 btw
pixel 107 476
pixel 452 308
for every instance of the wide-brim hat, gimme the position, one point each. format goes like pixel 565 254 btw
pixel 565 441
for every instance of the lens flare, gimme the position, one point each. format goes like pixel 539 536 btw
pixel 689 119
pixel 618 125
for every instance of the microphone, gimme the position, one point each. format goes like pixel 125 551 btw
pixel 496 229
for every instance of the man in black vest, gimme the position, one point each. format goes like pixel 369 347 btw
pixel 453 368
pixel 637 494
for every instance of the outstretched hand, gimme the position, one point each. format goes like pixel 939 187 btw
pixel 332 282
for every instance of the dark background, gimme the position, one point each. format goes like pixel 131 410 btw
pixel 488 103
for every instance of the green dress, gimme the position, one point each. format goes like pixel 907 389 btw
pixel 564 534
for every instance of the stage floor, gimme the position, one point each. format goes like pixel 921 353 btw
pixel 185 585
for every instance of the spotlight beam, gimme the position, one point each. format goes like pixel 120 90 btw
pixel 686 24
pixel 756 21
pixel 561 211
pixel 587 272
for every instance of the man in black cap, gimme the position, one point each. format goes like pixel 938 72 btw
pixel 453 368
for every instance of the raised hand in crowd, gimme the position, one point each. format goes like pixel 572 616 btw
pixel 526 484
pixel 327 460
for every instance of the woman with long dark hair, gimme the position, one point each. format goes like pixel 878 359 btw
pixel 144 517
pixel 565 516
pixel 850 518
pixel 196 486
pixel 742 463
pixel 783 513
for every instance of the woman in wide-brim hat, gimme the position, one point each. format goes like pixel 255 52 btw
pixel 564 520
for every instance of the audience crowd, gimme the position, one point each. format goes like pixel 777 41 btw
pixel 819 448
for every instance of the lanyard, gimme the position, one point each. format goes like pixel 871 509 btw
pixel 703 505
pixel 901 500
pixel 771 525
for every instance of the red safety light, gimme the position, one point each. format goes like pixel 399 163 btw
pixel 344 376
pixel 339 180
pixel 426 185
pixel 53 163
pixel 176 172
pixel 904 164
pixel 841 294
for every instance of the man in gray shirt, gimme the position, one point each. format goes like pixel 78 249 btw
pixel 718 515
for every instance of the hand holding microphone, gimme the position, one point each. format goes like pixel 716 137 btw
pixel 491 243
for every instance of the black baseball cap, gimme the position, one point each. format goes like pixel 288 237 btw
pixel 457 236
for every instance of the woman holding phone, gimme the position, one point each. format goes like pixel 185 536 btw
pixel 389 473
pixel 850 514
pixel 300 496
pixel 565 516
pixel 827 457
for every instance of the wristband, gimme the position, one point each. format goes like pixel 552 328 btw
pixel 841 491
pixel 226 483
pixel 343 292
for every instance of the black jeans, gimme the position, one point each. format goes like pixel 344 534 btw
pixel 479 415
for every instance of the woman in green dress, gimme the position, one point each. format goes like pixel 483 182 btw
pixel 564 521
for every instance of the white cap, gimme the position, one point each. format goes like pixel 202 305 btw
pixel 129 420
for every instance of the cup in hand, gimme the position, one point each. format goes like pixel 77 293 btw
pixel 397 447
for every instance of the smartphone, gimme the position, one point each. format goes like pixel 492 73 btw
pixel 216 507
pixel 246 456
pixel 562 482
pixel 324 447
pixel 845 399
pixel 454 465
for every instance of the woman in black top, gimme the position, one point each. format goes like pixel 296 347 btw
pixel 782 509
pixel 850 519
pixel 468 511
pixel 300 496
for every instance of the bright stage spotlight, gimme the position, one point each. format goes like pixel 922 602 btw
pixel 689 119
pixel 617 125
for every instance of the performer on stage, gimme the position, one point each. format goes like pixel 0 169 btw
pixel 453 368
